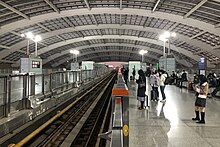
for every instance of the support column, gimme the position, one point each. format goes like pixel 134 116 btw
pixel 25 98
pixel 9 96
pixel 32 77
pixel 5 97
pixel 43 92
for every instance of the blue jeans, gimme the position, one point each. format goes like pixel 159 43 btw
pixel 162 92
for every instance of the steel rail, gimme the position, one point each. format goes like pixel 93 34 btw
pixel 54 136
pixel 104 122
pixel 95 124
pixel 50 121
pixel 92 123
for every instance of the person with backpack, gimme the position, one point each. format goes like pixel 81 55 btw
pixel 162 78
pixel 141 81
pixel 154 81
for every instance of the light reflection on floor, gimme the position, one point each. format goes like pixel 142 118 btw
pixel 170 124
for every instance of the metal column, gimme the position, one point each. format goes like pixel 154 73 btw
pixel 25 98
pixel 9 96
pixel 32 82
pixel 43 92
pixel 5 97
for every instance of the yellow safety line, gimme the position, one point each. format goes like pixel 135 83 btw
pixel 42 127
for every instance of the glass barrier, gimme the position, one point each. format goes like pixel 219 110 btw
pixel 38 84
pixel 46 83
pixel 15 92
pixel 16 89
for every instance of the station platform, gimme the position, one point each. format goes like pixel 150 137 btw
pixel 170 124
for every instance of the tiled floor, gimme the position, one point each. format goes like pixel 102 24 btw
pixel 170 124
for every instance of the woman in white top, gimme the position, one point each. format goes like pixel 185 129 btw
pixel 162 78
pixel 200 102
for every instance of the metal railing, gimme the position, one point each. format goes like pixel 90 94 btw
pixel 18 91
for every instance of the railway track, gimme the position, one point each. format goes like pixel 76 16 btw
pixel 54 132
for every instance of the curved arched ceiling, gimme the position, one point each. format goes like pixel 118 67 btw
pixel 65 25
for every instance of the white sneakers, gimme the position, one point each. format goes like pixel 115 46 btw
pixel 163 101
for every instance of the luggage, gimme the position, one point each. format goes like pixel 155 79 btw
pixel 153 95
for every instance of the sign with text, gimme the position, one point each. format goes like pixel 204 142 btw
pixel 202 63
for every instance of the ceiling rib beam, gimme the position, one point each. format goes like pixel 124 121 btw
pixel 173 26
pixel 96 22
pixel 181 43
pixel 104 44
pixel 194 42
pixel 42 26
pixel 7 61
pixel 195 8
pixel 87 4
pixel 198 52
pixel 4 46
pixel 52 6
pixel 60 37
pixel 130 11
pixel 21 51
pixel 155 6
pixel 14 10
pixel 43 44
pixel 68 22
pixel 120 4
pixel 216 47
pixel 15 33
pixel 197 35
pixel 217 25
pixel 120 20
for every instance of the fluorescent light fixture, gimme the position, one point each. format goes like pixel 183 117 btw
pixel 142 52
pixel 22 35
pixel 29 35
pixel 37 38
pixel 166 34
pixel 163 38
pixel 173 34
pixel 76 52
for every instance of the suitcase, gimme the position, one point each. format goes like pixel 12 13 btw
pixel 153 95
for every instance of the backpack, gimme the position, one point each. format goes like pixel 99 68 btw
pixel 167 81
pixel 184 76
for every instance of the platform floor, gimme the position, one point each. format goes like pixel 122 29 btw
pixel 170 124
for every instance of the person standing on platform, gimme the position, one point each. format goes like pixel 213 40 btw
pixel 154 81
pixel 141 81
pixel 200 103
pixel 162 78
pixel 126 76
pixel 133 73
pixel 183 78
